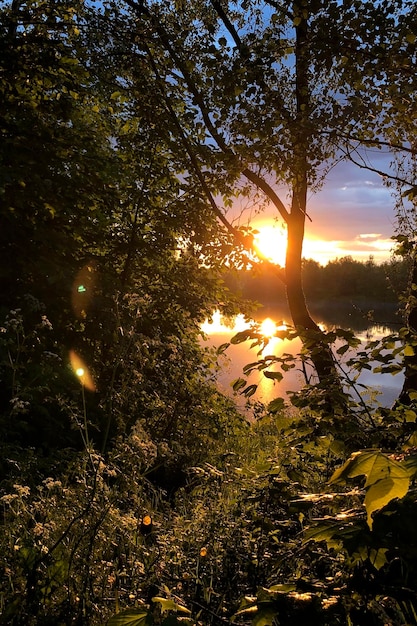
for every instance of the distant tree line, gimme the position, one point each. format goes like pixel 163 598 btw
pixel 344 278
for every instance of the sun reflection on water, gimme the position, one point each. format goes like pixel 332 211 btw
pixel 219 324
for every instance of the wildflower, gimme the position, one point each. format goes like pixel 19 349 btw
pixel 21 490
pixel 146 525
pixel 46 323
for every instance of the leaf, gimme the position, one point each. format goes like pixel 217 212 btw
pixel 261 617
pixel 251 366
pixel 283 588
pixel 342 349
pixel 276 405
pixel 170 605
pixel 411 463
pixel 241 336
pixel 175 620
pixel 374 464
pixel 378 557
pixel 386 478
pixel 222 348
pixel 238 384
pixel 249 391
pixel 265 617
pixel 328 532
pixel 410 416
pixel 274 375
pixel 385 490
pixel 409 351
pixel 131 617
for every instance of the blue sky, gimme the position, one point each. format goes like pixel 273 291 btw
pixel 354 212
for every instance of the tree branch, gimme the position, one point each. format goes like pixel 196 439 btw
pixel 228 24
pixel 199 101
pixel 376 143
pixel 281 9
pixel 361 163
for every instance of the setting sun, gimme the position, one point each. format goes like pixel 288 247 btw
pixel 268 327
pixel 271 244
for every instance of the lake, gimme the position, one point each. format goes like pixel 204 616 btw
pixel 219 330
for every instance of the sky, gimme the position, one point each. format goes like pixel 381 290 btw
pixel 353 214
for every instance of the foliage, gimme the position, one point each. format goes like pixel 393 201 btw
pixel 343 281
pixel 132 492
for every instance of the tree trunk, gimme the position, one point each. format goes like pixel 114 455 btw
pixel 410 362
pixel 321 355
pixel 310 333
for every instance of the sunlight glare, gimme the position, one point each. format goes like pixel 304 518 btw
pixel 268 327
pixel 271 244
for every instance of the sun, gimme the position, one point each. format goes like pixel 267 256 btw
pixel 271 244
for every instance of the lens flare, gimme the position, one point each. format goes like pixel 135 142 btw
pixel 83 290
pixel 81 371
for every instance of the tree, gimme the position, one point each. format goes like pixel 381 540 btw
pixel 273 93
pixel 95 235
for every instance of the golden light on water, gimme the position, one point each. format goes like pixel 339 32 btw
pixel 81 371
pixel 219 324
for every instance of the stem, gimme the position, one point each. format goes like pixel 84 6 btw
pixel 86 437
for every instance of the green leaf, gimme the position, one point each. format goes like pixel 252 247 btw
pixel 252 366
pixel 385 490
pixel 274 375
pixel 283 588
pixel 238 384
pixel 276 405
pixel 378 558
pixel 222 348
pixel 386 478
pixel 170 605
pixel 249 391
pixel 265 617
pixel 411 463
pixel 241 336
pixel 328 532
pixel 131 617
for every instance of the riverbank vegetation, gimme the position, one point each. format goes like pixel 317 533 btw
pixel 338 280
pixel 132 492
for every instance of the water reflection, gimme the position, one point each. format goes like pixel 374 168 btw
pixel 220 330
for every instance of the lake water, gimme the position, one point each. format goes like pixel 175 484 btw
pixel 219 331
